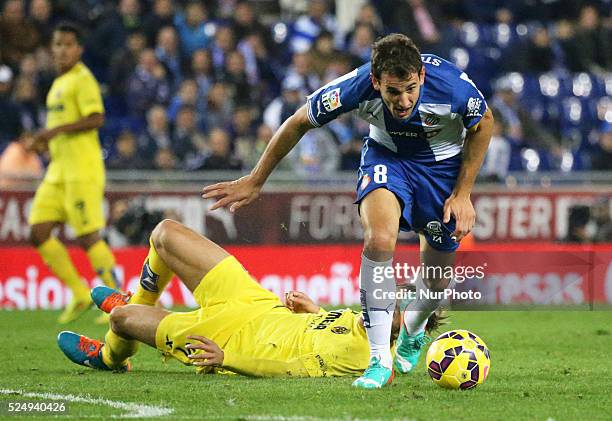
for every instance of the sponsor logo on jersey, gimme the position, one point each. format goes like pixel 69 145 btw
pixel 405 134
pixel 331 99
pixel 473 107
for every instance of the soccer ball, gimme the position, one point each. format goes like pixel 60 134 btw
pixel 458 360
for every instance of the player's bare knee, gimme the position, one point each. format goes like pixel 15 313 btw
pixel 379 242
pixel 119 319
pixel 161 232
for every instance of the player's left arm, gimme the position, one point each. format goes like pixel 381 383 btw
pixel 459 204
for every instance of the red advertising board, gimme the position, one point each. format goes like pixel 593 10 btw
pixel 329 274
pixel 324 217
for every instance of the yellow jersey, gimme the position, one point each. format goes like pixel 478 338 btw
pixel 281 343
pixel 75 156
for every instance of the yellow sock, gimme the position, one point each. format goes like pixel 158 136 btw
pixel 103 262
pixel 56 256
pixel 154 277
pixel 117 350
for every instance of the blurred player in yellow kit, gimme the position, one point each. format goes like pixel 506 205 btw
pixel 240 327
pixel 73 187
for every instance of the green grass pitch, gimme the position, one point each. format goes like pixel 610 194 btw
pixel 546 365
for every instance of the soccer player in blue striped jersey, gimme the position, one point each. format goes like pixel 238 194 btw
pixel 429 131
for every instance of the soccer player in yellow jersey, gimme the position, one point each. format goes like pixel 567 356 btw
pixel 73 187
pixel 240 327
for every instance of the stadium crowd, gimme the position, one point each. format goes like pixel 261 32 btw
pixel 202 85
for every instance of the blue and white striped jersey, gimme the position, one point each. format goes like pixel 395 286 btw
pixel 449 103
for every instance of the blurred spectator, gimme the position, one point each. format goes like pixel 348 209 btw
pixel 202 70
pixel 308 27
pixel 241 130
pixel 147 85
pixel 10 121
pixel 112 33
pixel 301 67
pixel 168 54
pixel 497 161
pixel 162 15
pixel 593 37
pixel 156 135
pixel 234 75
pixel 218 106
pixel 220 156
pixel 521 125
pixel 18 34
pixel 31 112
pixel 317 153
pixel 41 16
pixel 600 212
pixel 18 161
pixel 259 65
pixel 280 109
pixel 124 62
pixel 42 70
pixel 250 153
pixel 244 22
pixel 367 16
pixel 165 160
pixel 127 156
pixel 418 19
pixel 540 56
pixel 187 141
pixel 194 28
pixel 602 155
pixel 360 43
pixel 224 42
pixel 322 53
pixel 188 94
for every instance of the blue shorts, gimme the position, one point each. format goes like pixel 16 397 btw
pixel 421 189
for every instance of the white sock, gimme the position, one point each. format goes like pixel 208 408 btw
pixel 419 310
pixel 377 312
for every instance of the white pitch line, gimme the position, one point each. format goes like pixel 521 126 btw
pixel 136 410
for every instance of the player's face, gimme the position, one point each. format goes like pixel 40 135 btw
pixel 400 95
pixel 66 50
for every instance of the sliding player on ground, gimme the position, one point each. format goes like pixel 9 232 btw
pixel 240 326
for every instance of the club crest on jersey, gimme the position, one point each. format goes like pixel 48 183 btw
pixel 365 181
pixel 340 330
pixel 431 120
pixel 331 99
pixel 473 107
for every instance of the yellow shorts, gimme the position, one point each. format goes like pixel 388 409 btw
pixel 78 204
pixel 228 297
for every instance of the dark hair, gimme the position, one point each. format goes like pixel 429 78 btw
pixel 397 55
pixel 71 28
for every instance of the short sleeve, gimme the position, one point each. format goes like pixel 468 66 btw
pixel 339 96
pixel 89 99
pixel 471 104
